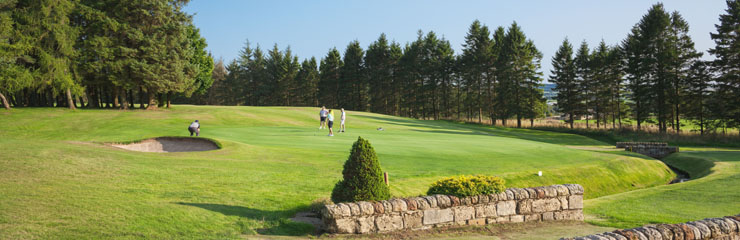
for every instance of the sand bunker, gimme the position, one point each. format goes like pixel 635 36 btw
pixel 170 144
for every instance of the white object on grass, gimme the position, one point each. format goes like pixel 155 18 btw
pixel 539 173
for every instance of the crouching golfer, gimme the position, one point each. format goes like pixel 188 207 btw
pixel 194 128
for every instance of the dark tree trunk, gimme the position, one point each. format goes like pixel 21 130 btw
pixel 160 100
pixel 124 99
pixel 168 99
pixel 571 120
pixel 70 103
pixel 518 121
pixel 152 101
pixel 115 97
pixel 131 98
pixel 5 102
pixel 141 98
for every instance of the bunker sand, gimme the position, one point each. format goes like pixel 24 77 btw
pixel 170 144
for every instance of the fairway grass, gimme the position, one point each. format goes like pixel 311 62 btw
pixel 59 180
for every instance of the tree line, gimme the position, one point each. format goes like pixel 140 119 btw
pixel 496 76
pixel 99 53
pixel 655 75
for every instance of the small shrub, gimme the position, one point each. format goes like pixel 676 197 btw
pixel 465 186
pixel 363 178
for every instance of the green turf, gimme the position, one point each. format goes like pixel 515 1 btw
pixel 57 179
pixel 713 192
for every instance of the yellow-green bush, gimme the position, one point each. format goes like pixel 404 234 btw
pixel 464 186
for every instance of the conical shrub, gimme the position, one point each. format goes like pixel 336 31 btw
pixel 363 178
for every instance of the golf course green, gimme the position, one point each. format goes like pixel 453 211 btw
pixel 60 180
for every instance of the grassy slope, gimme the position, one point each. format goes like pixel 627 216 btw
pixel 57 181
pixel 713 192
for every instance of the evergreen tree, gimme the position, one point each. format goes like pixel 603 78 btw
pixel 519 87
pixel 699 94
pixel 362 176
pixel 584 77
pixel 476 62
pixel 564 76
pixel 329 80
pixel 308 80
pixel 352 92
pixel 727 63
pixel 201 60
pixel 14 75
pixel 379 69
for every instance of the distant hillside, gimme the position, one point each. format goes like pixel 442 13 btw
pixel 549 91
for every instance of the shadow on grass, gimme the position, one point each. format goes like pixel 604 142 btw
pixel 443 127
pixel 275 222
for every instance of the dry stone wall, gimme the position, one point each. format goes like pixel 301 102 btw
pixel 726 228
pixel 653 149
pixel 550 203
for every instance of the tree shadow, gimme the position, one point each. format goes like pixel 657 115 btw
pixel 443 127
pixel 277 222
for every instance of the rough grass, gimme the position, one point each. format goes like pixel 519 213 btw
pixel 57 181
pixel 713 192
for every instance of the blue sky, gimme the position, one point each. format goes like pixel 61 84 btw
pixel 311 28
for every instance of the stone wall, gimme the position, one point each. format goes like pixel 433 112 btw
pixel 653 149
pixel 634 144
pixel 726 228
pixel 550 203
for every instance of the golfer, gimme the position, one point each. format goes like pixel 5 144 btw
pixel 322 115
pixel 341 121
pixel 330 117
pixel 194 128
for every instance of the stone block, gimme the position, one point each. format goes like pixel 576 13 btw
pixel 665 232
pixel 387 206
pixel 731 224
pixel 493 197
pixel 677 231
pixel 442 201
pixel 690 231
pixel 548 216
pixel 540 192
pixel 345 225
pixel 519 193
pixel 575 202
pixel 714 229
pixel 485 211
pixel 524 207
pixel 502 196
pixel 546 205
pixel 510 194
pixel 435 216
pixel 466 201
pixel 354 209
pixel 562 190
pixel 703 229
pixel 483 199
pixel 531 193
pixel 331 211
pixel 477 221
pixel 387 223
pixel 378 207
pixel 454 201
pixel 410 204
pixel 551 191
pixel 615 236
pixel 574 189
pixel 503 219
pixel 366 208
pixel 412 220
pixel 569 215
pixel 649 232
pixel 516 218
pixel 399 205
pixel 432 200
pixel 422 203
pixel 474 199
pixel 463 214
pixel 366 225
pixel 532 218
pixel 563 202
pixel 505 208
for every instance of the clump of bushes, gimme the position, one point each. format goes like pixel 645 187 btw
pixel 363 178
pixel 465 186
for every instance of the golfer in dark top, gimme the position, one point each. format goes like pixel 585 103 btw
pixel 194 128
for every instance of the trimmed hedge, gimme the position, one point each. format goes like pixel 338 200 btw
pixel 363 178
pixel 465 186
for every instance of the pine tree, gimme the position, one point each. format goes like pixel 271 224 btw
pixel 564 76
pixel 727 63
pixel 330 68
pixel 352 92
pixel 13 49
pixel 584 77
pixel 362 176
pixel 308 80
